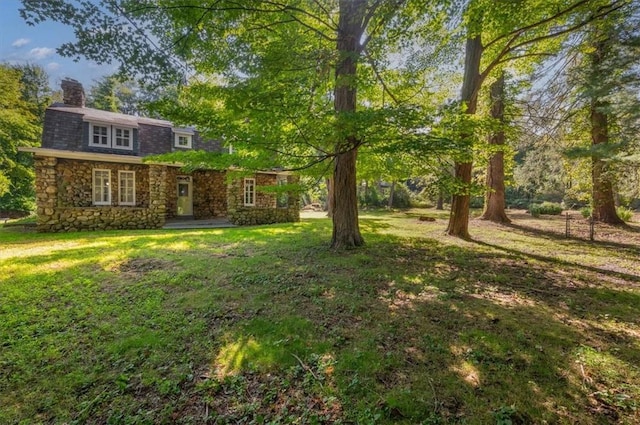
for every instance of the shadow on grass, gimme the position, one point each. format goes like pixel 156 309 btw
pixel 537 232
pixel 268 324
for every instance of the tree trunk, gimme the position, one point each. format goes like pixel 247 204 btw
pixel 494 203
pixel 604 207
pixel 392 190
pixel 459 217
pixel 330 198
pixel 440 200
pixel 346 230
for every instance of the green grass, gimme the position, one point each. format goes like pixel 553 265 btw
pixel 267 325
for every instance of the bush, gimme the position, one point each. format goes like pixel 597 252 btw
pixel 624 213
pixel 401 197
pixel 476 202
pixel 548 208
pixel 370 198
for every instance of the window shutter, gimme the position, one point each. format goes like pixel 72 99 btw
pixel 85 134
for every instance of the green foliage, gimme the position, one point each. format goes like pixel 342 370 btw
pixel 547 208
pixel 369 197
pixel 625 214
pixel 586 212
pixel 21 109
pixel 401 197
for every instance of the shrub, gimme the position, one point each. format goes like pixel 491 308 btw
pixel 624 213
pixel 548 208
pixel 401 197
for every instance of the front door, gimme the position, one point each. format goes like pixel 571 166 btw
pixel 185 195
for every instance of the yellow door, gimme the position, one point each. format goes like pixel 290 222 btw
pixel 185 195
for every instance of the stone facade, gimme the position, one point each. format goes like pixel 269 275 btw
pixel 74 180
pixel 265 210
pixel 209 194
pixel 64 196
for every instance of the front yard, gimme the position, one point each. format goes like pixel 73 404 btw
pixel 267 325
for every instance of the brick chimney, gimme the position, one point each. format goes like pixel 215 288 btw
pixel 72 92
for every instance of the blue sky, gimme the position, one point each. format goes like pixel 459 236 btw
pixel 20 43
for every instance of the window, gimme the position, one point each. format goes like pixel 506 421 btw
pixel 183 140
pixel 122 138
pixel 107 136
pixel 126 187
pixel 99 135
pixel 282 199
pixel 101 187
pixel 249 192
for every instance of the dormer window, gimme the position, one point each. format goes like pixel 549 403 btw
pixel 122 138
pixel 99 135
pixel 110 136
pixel 183 140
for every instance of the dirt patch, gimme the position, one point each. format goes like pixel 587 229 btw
pixel 144 265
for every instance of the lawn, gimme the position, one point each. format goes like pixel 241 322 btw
pixel 267 325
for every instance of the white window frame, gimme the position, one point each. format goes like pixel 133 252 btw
pixel 110 136
pixel 249 192
pixel 102 187
pixel 114 132
pixel 187 136
pixel 120 187
pixel 107 137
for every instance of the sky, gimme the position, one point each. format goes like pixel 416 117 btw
pixel 21 43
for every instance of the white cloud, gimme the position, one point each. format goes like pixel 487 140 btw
pixel 52 66
pixel 21 42
pixel 41 52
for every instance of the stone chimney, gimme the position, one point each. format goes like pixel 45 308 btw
pixel 72 92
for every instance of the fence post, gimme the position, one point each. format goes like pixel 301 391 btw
pixel 567 231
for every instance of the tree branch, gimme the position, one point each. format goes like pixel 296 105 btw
pixel 379 78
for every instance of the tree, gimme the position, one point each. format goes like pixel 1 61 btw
pixel 276 78
pixel 19 126
pixel 513 32
pixel 494 204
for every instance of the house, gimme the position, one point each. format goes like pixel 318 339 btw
pixel 90 174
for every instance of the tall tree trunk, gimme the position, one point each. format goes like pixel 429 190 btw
pixel 494 203
pixel 392 190
pixel 346 230
pixel 604 207
pixel 459 217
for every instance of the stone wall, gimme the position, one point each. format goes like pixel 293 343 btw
pixel 171 191
pixel 209 194
pixel 265 210
pixel 74 180
pixel 64 196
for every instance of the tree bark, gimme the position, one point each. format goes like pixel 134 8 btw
pixel 440 200
pixel 346 230
pixel 330 198
pixel 494 204
pixel 459 216
pixel 604 207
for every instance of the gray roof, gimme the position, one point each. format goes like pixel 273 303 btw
pixel 90 114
